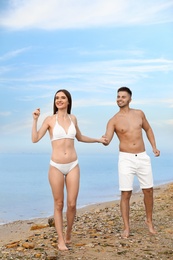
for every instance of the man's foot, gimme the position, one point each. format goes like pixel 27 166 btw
pixel 125 234
pixel 150 227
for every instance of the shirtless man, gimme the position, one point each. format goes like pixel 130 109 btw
pixel 133 160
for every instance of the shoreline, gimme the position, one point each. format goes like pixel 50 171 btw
pixel 136 196
pixel 80 208
pixel 97 233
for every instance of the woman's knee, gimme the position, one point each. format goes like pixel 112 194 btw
pixel 58 205
pixel 71 205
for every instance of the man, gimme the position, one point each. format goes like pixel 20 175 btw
pixel 133 160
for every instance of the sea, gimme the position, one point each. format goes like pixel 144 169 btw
pixel 25 192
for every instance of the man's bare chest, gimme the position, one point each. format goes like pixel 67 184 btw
pixel 128 124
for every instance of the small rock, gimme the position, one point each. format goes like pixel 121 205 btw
pixel 28 245
pixel 39 226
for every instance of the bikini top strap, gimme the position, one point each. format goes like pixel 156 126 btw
pixel 70 117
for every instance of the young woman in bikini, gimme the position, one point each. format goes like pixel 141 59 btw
pixel 64 168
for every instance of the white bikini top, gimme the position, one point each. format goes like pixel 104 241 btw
pixel 60 133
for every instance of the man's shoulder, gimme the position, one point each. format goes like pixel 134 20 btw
pixel 137 111
pixel 114 118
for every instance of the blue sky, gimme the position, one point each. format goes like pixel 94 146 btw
pixel 91 48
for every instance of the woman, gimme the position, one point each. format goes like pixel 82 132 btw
pixel 64 168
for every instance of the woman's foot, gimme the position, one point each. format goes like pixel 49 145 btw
pixel 125 234
pixel 62 246
pixel 68 238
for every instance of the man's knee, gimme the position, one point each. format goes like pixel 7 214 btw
pixel 148 191
pixel 126 195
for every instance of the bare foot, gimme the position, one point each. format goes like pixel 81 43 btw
pixel 150 227
pixel 62 247
pixel 125 234
pixel 68 239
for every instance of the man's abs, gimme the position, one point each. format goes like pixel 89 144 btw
pixel 132 147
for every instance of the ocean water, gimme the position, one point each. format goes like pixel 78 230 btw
pixel 25 192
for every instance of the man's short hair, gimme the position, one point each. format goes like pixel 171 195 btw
pixel 125 89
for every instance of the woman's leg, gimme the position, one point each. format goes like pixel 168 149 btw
pixel 56 179
pixel 72 185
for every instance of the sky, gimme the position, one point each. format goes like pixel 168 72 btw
pixel 90 48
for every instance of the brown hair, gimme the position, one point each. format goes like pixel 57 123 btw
pixel 125 89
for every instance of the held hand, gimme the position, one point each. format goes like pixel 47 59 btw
pixel 36 113
pixel 104 140
pixel 156 152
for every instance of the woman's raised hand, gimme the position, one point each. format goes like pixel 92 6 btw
pixel 36 113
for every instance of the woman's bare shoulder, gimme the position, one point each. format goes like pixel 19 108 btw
pixel 49 119
pixel 73 117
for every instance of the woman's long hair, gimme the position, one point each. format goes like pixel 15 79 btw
pixel 68 95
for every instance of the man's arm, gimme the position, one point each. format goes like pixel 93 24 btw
pixel 150 135
pixel 109 132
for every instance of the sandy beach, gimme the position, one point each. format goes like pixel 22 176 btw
pixel 96 233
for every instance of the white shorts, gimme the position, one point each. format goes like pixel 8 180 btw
pixel 130 165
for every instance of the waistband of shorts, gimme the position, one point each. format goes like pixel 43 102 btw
pixel 124 154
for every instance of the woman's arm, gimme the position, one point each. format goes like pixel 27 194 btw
pixel 85 139
pixel 38 134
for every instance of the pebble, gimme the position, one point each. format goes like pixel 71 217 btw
pixel 96 235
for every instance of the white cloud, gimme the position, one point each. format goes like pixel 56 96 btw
pixel 169 122
pixel 111 52
pixel 23 125
pixel 5 113
pixel 102 71
pixel 91 102
pixel 13 54
pixel 155 101
pixel 3 70
pixel 63 14
pixel 35 97
pixel 165 123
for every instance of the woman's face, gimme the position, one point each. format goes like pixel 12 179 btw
pixel 61 100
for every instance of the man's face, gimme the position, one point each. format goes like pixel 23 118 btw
pixel 123 99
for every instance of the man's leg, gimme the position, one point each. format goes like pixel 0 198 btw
pixel 125 210
pixel 148 201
